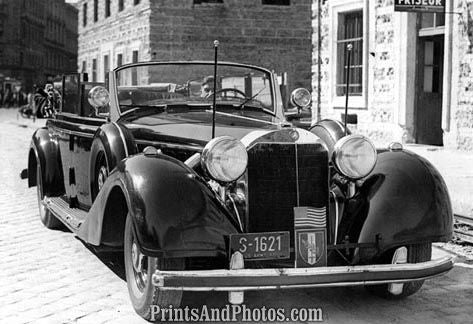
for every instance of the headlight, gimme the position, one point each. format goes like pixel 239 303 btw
pixel 354 156
pixel 224 158
pixel 98 97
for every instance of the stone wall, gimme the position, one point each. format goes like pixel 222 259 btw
pixel 275 37
pixel 461 135
pixel 272 36
pixel 377 118
pixel 121 33
pixel 385 118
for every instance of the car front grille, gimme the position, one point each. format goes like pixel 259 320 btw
pixel 282 176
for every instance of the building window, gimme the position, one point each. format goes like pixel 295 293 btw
pixel 94 70
pixel 135 2
pixel 96 10
pixel 107 8
pixel 432 20
pixel 121 5
pixel 134 74
pixel 350 31
pixel 119 60
pixel 84 67
pixel 106 66
pixel 277 2
pixel 84 14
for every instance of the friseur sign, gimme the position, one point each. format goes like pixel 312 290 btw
pixel 419 5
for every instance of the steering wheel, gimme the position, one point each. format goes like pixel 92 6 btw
pixel 237 93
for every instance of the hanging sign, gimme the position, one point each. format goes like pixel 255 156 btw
pixel 419 5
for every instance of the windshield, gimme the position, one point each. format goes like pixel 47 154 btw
pixel 237 87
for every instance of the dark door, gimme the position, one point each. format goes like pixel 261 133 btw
pixel 74 135
pixel 429 90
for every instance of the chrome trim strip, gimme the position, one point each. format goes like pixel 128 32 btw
pixel 199 276
pixel 122 136
pixel 190 63
pixel 297 177
pixel 193 161
pixel 71 132
pixel 197 149
pixel 246 118
pixel 334 284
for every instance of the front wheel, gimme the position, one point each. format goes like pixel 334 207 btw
pixel 100 174
pixel 145 297
pixel 416 253
pixel 47 218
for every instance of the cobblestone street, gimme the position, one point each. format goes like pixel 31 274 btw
pixel 52 277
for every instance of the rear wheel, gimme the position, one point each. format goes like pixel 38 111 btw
pixel 416 253
pixel 139 270
pixel 47 218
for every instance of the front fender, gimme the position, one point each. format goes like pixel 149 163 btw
pixel 403 201
pixel 174 212
pixel 44 149
pixel 330 131
pixel 115 142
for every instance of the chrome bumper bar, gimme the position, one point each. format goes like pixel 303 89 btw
pixel 255 279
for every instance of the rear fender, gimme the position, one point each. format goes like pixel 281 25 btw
pixel 174 212
pixel 403 201
pixel 45 150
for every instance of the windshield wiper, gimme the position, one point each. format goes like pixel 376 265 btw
pixel 140 107
pixel 247 100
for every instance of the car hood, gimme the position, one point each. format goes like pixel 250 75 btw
pixel 195 128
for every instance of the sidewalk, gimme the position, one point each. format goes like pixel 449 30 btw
pixel 456 167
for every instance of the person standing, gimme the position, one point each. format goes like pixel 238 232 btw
pixel 30 103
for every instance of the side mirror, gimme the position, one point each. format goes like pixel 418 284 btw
pixel 99 98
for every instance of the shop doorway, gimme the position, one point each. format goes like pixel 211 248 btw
pixel 429 85
pixel 429 90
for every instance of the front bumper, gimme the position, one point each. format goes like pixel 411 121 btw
pixel 255 279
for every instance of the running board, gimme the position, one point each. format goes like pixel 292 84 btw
pixel 71 217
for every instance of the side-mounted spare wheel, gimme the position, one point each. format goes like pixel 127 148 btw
pixel 139 270
pixel 416 253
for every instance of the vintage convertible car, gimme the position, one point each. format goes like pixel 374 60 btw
pixel 232 197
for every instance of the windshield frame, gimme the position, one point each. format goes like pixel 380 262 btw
pixel 271 79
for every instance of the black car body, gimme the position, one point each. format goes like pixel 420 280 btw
pixel 261 205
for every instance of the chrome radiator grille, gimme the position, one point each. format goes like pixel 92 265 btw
pixel 282 176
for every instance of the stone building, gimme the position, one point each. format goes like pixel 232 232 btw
pixel 38 39
pixel 271 33
pixel 411 76
pixel 60 28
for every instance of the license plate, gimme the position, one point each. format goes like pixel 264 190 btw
pixel 260 246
